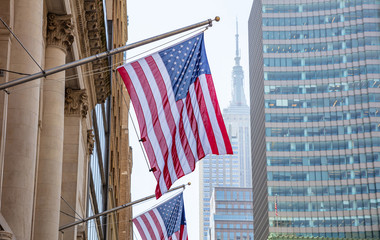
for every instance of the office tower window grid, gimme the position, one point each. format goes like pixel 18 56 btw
pixel 231 214
pixel 321 71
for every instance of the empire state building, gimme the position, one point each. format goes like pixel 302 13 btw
pixel 228 170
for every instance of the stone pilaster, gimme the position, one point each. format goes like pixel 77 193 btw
pixel 47 210
pixel 75 156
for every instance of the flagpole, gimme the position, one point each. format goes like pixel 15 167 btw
pixel 117 208
pixel 104 54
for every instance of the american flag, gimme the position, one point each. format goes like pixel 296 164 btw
pixel 166 221
pixel 275 206
pixel 177 109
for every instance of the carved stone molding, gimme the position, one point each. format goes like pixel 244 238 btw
pixel 76 102
pixel 81 233
pixel 59 31
pixel 90 141
pixel 5 235
pixel 97 43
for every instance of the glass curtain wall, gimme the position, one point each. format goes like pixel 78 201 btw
pixel 321 72
pixel 97 174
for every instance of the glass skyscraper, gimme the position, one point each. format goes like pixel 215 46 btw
pixel 228 170
pixel 315 100
pixel 231 214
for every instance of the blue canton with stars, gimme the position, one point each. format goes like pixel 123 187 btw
pixel 184 63
pixel 173 214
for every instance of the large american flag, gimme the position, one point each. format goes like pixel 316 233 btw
pixel 177 109
pixel 166 221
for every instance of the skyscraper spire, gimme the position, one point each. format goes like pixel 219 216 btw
pixel 238 96
pixel 237 57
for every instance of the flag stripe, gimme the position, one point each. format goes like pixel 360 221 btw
pixel 139 114
pixel 173 166
pixel 219 127
pixel 142 228
pixel 183 233
pixel 149 227
pixel 138 226
pixel 153 120
pixel 132 85
pixel 186 137
pixel 152 223
pixel 160 223
pixel 163 91
pixel 205 115
pixel 197 118
pixel 157 224
pixel 195 142
pixel 216 116
pixel 181 141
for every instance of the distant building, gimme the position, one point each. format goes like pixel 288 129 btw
pixel 231 214
pixel 274 236
pixel 315 101
pixel 228 170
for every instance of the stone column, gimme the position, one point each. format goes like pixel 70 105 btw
pixel 22 123
pixel 6 13
pixel 47 209
pixel 78 144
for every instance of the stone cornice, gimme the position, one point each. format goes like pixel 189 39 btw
pixel 59 31
pixel 96 33
pixel 76 102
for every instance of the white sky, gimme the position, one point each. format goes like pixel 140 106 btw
pixel 148 18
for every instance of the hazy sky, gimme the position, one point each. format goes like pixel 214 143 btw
pixel 149 18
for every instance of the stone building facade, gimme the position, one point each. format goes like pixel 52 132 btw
pixel 50 136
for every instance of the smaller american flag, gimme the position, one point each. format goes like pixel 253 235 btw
pixel 166 221
pixel 275 206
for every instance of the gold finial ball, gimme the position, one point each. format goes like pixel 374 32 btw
pixel 189 183
pixel 217 18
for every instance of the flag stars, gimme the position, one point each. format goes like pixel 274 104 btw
pixel 184 62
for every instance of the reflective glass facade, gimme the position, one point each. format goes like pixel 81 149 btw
pixel 231 214
pixel 96 229
pixel 217 171
pixel 318 68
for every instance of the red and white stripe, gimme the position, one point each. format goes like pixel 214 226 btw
pixel 176 134
pixel 151 227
